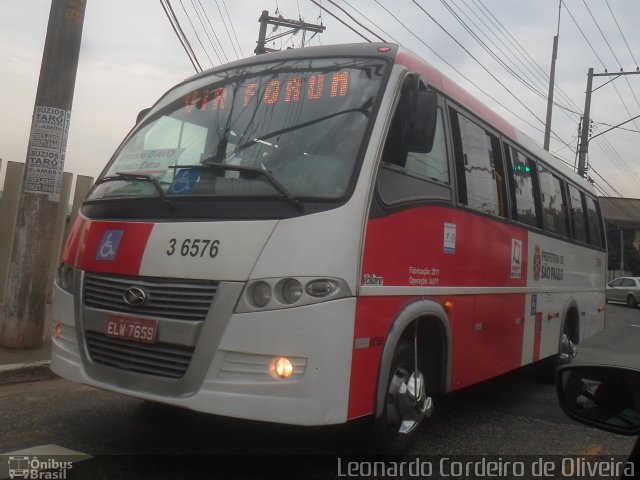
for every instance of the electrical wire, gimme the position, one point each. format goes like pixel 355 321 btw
pixel 224 22
pixel 196 33
pixel 361 25
pixel 175 24
pixel 341 21
pixel 233 29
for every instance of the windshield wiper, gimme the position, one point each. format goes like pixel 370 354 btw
pixel 364 109
pixel 134 177
pixel 208 164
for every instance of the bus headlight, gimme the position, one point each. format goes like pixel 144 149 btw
pixel 278 293
pixel 64 277
pixel 290 290
pixel 260 294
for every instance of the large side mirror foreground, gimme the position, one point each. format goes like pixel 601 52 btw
pixel 607 398
pixel 419 115
pixel 424 121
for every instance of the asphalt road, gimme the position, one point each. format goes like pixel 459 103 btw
pixel 516 414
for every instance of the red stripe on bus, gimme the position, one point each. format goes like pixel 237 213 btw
pixel 70 249
pixel 537 337
pixel 127 256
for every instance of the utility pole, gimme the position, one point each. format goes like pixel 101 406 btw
pixel 552 76
pixel 22 324
pixel 552 79
pixel 584 133
pixel 294 25
pixel 584 137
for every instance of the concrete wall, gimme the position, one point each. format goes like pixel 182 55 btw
pixel 8 213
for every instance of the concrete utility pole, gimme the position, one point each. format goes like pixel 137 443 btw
pixel 22 324
pixel 584 134
pixel 552 79
pixel 295 25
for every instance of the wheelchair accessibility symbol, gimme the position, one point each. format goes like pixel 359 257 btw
pixel 109 245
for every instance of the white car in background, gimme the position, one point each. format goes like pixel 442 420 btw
pixel 624 289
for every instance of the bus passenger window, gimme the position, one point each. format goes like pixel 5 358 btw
pixel 524 208
pixel 553 204
pixel 481 180
pixel 595 224
pixel 578 218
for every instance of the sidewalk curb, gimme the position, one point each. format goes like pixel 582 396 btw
pixel 26 372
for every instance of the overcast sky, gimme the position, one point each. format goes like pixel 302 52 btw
pixel 130 56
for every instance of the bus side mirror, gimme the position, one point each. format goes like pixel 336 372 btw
pixel 607 398
pixel 423 126
pixel 142 114
pixel 419 114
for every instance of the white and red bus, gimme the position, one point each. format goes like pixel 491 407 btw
pixel 312 236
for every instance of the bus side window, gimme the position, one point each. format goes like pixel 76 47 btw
pixel 595 223
pixel 481 179
pixel 578 214
pixel 553 203
pixel 524 203
pixel 406 176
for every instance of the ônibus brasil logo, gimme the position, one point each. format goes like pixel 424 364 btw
pixel 537 263
pixel 22 466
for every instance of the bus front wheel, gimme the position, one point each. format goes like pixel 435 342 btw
pixel 406 403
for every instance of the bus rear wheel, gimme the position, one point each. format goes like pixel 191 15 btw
pixel 406 403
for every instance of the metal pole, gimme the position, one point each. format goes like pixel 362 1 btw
pixel 552 76
pixel 621 253
pixel 22 324
pixel 584 137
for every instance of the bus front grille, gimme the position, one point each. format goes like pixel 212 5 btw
pixel 167 298
pixel 159 359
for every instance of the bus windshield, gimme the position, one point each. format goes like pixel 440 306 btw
pixel 292 129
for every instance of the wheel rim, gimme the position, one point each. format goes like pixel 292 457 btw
pixel 567 348
pixel 631 301
pixel 407 401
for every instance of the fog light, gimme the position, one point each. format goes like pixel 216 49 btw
pixel 57 330
pixel 261 294
pixel 283 367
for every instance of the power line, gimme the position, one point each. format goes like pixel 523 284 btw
pixel 175 24
pixel 341 21
pixel 478 62
pixel 622 34
pixel 233 29
pixel 196 33
pixel 215 50
pixel 361 25
pixel 224 22
pixel 371 22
